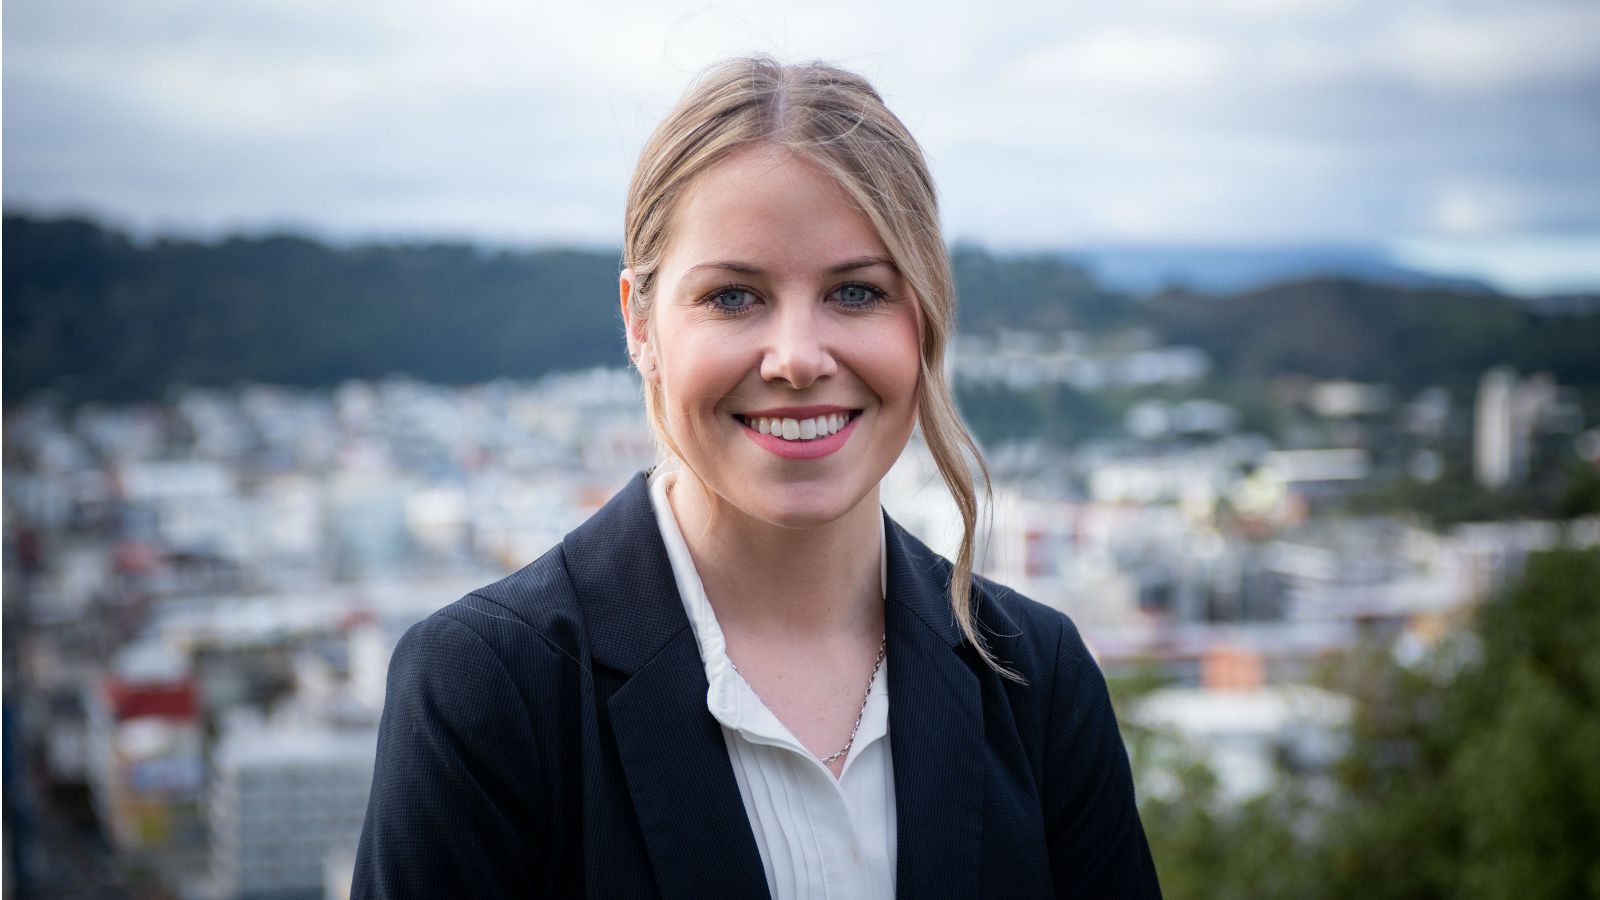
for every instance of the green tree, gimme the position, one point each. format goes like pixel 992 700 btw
pixel 1204 846
pixel 1469 775
pixel 1475 776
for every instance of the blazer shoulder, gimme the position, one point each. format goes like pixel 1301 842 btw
pixel 1023 633
pixel 1066 721
pixel 537 602
pixel 1033 636
pixel 467 787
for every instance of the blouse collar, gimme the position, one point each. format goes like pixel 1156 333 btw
pixel 729 698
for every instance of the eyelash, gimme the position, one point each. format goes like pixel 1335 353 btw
pixel 876 298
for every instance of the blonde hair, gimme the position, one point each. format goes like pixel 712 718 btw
pixel 837 121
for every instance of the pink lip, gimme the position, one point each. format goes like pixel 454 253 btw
pixel 813 449
pixel 793 412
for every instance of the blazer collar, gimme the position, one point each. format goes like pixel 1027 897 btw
pixel 672 749
pixel 619 568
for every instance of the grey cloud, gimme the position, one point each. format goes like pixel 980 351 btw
pixel 1150 119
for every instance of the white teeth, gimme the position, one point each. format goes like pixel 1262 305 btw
pixel 801 429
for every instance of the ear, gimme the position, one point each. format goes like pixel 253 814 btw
pixel 640 347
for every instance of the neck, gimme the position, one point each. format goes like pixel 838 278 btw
pixel 762 578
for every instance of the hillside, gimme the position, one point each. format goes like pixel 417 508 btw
pixel 92 315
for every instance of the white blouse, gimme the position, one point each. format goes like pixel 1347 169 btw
pixel 818 836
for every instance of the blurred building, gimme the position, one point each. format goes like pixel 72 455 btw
pixel 1512 412
pixel 144 758
pixel 281 801
pixel 1023 360
pixel 258 553
pixel 1247 734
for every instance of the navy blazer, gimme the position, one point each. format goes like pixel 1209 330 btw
pixel 548 735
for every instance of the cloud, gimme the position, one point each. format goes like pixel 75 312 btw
pixel 1236 120
pixel 1122 62
pixel 1502 49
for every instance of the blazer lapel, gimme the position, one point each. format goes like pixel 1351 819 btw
pixel 676 765
pixel 935 728
pixel 682 783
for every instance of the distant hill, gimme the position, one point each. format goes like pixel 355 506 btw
pixel 92 315
pixel 1149 269
pixel 1408 337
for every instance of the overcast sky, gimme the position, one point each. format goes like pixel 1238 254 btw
pixel 1451 130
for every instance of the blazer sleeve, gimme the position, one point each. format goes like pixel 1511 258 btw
pixel 1097 843
pixel 455 775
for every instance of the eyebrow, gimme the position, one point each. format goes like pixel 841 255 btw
pixel 849 265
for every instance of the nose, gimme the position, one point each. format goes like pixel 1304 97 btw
pixel 797 346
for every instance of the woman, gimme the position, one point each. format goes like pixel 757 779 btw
pixel 740 678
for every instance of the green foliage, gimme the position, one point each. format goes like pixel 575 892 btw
pixel 1203 847
pixel 1455 497
pixel 1487 787
pixel 93 316
pixel 1472 775
pixel 1529 798
pixel 1058 412
pixel 1582 494
pixel 1407 338
pixel 1040 291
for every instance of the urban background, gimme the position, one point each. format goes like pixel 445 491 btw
pixel 1279 325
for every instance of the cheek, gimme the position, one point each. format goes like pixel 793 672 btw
pixel 892 364
pixel 909 381
pixel 908 353
pixel 698 371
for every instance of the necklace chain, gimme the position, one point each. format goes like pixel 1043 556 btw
pixel 883 649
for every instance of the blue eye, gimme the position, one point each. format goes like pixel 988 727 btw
pixel 731 299
pixel 858 296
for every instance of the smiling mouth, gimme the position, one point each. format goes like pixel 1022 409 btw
pixel 799 430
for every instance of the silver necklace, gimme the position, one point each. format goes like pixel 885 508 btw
pixel 883 649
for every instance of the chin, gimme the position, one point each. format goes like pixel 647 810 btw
pixel 803 506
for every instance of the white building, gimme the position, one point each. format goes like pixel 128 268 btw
pixel 1499 457
pixel 1244 735
pixel 1510 411
pixel 280 802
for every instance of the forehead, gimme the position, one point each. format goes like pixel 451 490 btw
pixel 767 206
